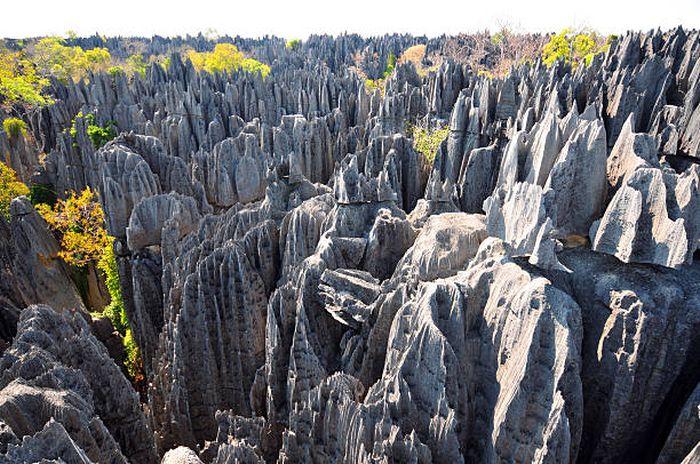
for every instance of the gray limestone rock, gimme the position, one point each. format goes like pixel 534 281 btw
pixel 638 344
pixel 636 226
pixel 181 455
pixel 56 369
pixel 33 272
pixel 150 216
pixel 304 286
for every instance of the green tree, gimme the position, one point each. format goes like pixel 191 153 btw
pixel 558 48
pixel 574 47
pixel 19 82
pixel 390 65
pixel 135 64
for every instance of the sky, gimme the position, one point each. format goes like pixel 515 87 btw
pixel 300 18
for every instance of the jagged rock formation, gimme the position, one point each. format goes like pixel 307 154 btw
pixel 66 397
pixel 305 286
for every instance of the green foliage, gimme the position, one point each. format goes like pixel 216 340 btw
pixel 99 135
pixel 165 63
pixel 558 48
pixel 374 84
pixel 390 65
pixel 10 187
pixel 498 38
pixel 135 64
pixel 574 47
pixel 427 141
pixel 226 57
pixel 115 71
pixel 14 127
pixel 115 310
pixel 134 362
pixel 42 194
pixel 294 44
pixel 19 82
pixel 53 58
pixel 378 84
pixel 80 222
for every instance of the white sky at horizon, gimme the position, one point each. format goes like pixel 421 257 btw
pixel 300 18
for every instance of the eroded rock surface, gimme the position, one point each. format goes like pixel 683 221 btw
pixel 305 286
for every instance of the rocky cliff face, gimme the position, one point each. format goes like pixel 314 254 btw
pixel 304 286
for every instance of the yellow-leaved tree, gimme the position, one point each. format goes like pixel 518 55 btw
pixel 79 221
pixel 226 57
pixel 10 187
pixel 52 57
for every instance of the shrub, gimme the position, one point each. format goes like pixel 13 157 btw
pixel 116 312
pixel 294 44
pixel 427 141
pixel 226 57
pixel 79 221
pixel 378 84
pixel 14 127
pixel 134 362
pixel 10 187
pixel 390 65
pixel 98 135
pixel 374 84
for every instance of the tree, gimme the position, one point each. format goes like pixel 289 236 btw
pixel 19 82
pixel 10 187
pixel 79 221
pixel 53 58
pixel 574 47
pixel 135 64
pixel 558 48
pixel 226 57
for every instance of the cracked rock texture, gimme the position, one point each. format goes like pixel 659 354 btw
pixel 305 286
